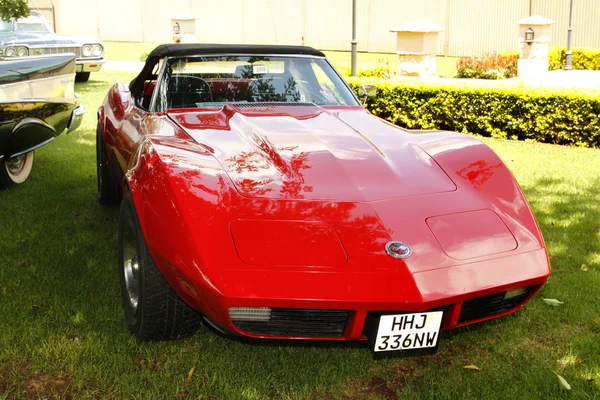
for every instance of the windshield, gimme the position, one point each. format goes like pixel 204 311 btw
pixel 216 81
pixel 32 24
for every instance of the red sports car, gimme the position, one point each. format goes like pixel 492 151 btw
pixel 258 195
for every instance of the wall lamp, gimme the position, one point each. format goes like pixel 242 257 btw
pixel 529 35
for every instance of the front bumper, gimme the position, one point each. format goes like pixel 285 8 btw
pixel 75 119
pixel 89 65
pixel 469 293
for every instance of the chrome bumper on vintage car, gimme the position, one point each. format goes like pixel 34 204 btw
pixel 85 65
pixel 76 118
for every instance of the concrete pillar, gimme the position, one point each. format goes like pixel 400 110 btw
pixel 416 46
pixel 534 40
pixel 183 26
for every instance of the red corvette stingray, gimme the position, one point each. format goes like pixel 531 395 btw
pixel 258 194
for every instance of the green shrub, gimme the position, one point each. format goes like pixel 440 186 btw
pixel 497 66
pixel 380 72
pixel 581 59
pixel 562 117
pixel 557 58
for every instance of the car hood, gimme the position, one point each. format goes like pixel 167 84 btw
pixel 43 39
pixel 308 152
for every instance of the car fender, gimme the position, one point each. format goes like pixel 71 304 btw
pixel 164 181
pixel 475 167
pixel 25 136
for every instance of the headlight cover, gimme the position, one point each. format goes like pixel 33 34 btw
pixel 97 50
pixel 10 52
pixel 86 50
pixel 287 243
pixel 22 51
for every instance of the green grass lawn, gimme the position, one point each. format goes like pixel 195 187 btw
pixel 63 334
pixel 446 66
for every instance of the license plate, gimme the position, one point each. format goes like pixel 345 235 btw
pixel 408 331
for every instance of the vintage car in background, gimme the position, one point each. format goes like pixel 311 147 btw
pixel 37 103
pixel 32 36
pixel 258 194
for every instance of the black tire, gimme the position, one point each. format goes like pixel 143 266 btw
pixel 109 190
pixel 152 309
pixel 82 77
pixel 15 170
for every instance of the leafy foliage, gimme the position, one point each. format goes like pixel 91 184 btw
pixel 557 58
pixel 10 9
pixel 495 66
pixel 581 59
pixel 561 116
pixel 379 72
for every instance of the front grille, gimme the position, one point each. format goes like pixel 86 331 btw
pixel 272 104
pixel 299 323
pixel 497 303
pixel 39 51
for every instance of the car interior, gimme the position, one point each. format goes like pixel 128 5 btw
pixel 215 83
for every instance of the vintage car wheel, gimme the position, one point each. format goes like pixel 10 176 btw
pixel 82 76
pixel 152 309
pixel 16 170
pixel 109 191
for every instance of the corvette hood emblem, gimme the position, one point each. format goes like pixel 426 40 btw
pixel 398 249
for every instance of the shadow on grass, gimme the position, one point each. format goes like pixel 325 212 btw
pixel 569 221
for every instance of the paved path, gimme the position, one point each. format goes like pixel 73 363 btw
pixel 573 79
pixel 124 65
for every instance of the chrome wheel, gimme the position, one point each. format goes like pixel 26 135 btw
pixel 152 308
pixel 15 165
pixel 131 268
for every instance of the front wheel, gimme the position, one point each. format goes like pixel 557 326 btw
pixel 109 191
pixel 16 170
pixel 152 309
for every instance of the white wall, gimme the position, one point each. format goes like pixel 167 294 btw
pixel 472 27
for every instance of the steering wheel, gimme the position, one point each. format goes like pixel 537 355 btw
pixel 187 90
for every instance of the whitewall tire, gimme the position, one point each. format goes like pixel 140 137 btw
pixel 16 170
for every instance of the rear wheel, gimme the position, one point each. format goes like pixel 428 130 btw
pixel 82 77
pixel 16 170
pixel 152 309
pixel 109 191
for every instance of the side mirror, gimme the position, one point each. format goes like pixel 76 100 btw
pixel 367 91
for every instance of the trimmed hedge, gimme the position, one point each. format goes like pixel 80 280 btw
pixel 520 113
pixel 582 58
pixel 379 72
pixel 557 58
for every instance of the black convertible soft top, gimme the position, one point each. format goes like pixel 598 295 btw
pixel 198 49
pixel 195 49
